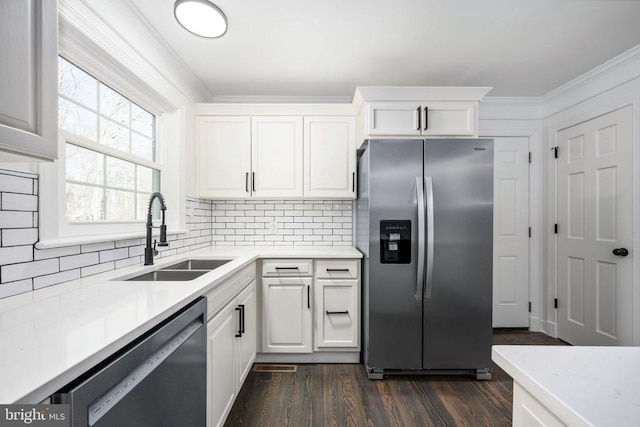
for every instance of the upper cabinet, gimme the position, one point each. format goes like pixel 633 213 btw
pixel 275 156
pixel 28 78
pixel 330 157
pixel 413 119
pixel 392 112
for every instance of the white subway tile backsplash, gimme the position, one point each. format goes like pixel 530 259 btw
pixel 19 236
pixel 19 202
pixel 15 254
pixel 95 247
pixel 114 254
pixel 13 272
pixel 54 279
pixel 16 219
pixel 78 261
pixel 15 184
pixel 98 268
pixel 15 288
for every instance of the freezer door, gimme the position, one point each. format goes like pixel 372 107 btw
pixel 457 304
pixel 392 315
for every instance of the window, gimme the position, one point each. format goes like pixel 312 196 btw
pixel 110 150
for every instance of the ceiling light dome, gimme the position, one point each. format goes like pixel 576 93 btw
pixel 201 18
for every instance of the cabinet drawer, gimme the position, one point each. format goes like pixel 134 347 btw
pixel 220 296
pixel 337 269
pixel 287 267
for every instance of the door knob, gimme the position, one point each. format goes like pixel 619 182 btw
pixel 620 252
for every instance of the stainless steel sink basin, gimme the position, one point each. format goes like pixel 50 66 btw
pixel 197 264
pixel 169 275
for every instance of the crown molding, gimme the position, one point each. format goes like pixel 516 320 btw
pixel 613 73
pixel 265 99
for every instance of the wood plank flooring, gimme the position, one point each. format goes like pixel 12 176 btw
pixel 342 395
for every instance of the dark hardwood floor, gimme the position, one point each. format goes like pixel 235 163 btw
pixel 342 395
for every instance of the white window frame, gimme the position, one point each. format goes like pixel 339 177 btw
pixel 54 229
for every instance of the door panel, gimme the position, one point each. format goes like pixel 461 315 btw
pixel 457 314
pixel 594 217
pixel 393 331
pixel 510 233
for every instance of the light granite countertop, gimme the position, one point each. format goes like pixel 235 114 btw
pixel 50 336
pixel 581 386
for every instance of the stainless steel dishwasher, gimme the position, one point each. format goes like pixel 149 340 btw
pixel 158 380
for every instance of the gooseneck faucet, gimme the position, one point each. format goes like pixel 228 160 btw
pixel 149 251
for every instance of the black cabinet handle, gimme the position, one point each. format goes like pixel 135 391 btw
pixel 239 333
pixel 419 118
pixel 337 312
pixel 426 118
pixel 241 318
pixel 353 181
pixel 341 270
pixel 308 296
pixel 246 182
pixel 253 181
pixel 286 268
pixel 621 252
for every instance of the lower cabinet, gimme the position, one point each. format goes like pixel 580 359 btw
pixel 286 315
pixel 231 351
pixel 336 320
pixel 529 412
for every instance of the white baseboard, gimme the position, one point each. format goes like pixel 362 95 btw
pixel 319 357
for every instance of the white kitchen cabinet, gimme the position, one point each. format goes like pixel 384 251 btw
pixel 221 381
pixel 529 412
pixel 247 302
pixel 337 298
pixel 241 157
pixel 224 156
pixel 276 160
pixel 422 119
pixel 231 344
pixel 286 307
pixel 29 86
pixel 329 157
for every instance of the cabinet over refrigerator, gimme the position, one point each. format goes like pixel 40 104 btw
pixel 425 226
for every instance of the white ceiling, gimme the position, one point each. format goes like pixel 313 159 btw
pixel 325 48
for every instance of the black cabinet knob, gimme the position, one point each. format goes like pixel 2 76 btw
pixel 620 252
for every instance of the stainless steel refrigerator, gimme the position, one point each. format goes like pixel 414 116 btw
pixel 424 222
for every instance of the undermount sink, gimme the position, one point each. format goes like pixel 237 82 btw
pixel 180 272
pixel 197 264
pixel 169 275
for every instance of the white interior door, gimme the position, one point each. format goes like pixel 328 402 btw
pixel 594 218
pixel 511 233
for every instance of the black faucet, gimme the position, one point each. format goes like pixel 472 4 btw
pixel 149 251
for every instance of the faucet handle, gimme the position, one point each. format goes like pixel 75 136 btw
pixel 155 251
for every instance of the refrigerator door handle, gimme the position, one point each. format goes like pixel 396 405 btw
pixel 429 197
pixel 420 232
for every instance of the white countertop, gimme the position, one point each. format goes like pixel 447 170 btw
pixel 582 386
pixel 50 336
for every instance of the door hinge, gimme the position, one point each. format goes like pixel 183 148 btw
pixel 529 232
pixel 555 152
pixel 530 156
pixel 555 303
pixel 529 306
pixel 555 228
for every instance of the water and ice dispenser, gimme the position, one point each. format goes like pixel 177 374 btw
pixel 395 242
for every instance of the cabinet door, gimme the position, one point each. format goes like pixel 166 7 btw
pixel 221 379
pixel 394 118
pixel 28 83
pixel 449 119
pixel 329 157
pixel 277 156
pixel 337 314
pixel 286 315
pixel 247 347
pixel 224 157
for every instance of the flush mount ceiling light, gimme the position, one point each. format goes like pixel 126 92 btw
pixel 200 17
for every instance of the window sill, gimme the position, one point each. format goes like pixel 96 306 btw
pixel 84 240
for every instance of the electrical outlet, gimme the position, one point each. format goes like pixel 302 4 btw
pixel 274 226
